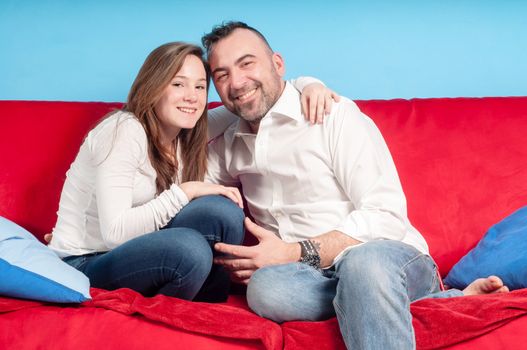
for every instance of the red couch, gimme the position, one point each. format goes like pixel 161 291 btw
pixel 463 165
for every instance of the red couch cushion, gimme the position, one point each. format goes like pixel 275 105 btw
pixel 437 322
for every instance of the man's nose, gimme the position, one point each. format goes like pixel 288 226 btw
pixel 238 79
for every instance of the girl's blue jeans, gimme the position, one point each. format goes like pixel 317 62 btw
pixel 174 261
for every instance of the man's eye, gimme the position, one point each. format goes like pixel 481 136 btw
pixel 247 63
pixel 221 77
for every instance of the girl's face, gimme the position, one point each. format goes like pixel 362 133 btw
pixel 183 100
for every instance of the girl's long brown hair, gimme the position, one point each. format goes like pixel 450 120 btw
pixel 156 73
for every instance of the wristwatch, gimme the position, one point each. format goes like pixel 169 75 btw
pixel 309 254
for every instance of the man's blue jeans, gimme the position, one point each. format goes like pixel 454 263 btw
pixel 174 261
pixel 369 290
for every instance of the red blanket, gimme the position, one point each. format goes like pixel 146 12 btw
pixel 437 322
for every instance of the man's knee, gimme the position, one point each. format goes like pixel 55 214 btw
pixel 376 264
pixel 291 292
pixel 267 293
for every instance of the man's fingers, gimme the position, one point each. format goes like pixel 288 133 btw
pixel 243 274
pixel 236 251
pixel 239 280
pixel 258 231
pixel 235 264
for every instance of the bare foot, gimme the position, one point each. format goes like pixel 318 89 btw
pixel 491 284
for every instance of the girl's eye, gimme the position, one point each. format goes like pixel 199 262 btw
pixel 177 84
pixel 200 87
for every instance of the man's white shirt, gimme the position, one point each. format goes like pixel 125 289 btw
pixel 303 180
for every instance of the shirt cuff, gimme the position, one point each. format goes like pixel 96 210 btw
pixel 180 194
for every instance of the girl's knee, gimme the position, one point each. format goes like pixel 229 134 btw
pixel 227 215
pixel 222 215
pixel 224 209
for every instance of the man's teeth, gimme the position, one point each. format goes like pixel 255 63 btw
pixel 246 95
pixel 187 110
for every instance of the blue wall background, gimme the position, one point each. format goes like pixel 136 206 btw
pixel 92 50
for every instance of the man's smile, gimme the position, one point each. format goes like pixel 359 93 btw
pixel 246 95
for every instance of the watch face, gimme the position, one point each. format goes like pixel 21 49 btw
pixel 311 260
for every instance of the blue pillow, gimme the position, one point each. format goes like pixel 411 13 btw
pixel 501 252
pixel 30 270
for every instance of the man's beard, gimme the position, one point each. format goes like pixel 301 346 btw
pixel 254 111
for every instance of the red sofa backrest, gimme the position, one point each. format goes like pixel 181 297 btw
pixel 38 142
pixel 462 161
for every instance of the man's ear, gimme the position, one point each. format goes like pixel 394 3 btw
pixel 279 63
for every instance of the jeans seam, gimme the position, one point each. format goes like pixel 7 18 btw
pixel 435 281
pixel 341 315
pixel 212 238
pixel 412 260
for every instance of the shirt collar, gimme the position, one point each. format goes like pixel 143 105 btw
pixel 288 105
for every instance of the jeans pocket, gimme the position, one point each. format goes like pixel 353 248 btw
pixel 421 277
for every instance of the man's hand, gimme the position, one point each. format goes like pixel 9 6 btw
pixel 242 261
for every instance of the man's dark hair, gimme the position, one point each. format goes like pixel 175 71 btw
pixel 224 30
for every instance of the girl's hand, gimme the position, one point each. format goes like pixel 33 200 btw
pixel 48 237
pixel 317 101
pixel 195 189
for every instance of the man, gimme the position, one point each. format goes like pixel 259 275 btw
pixel 334 237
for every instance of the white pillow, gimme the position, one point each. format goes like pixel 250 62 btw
pixel 30 270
